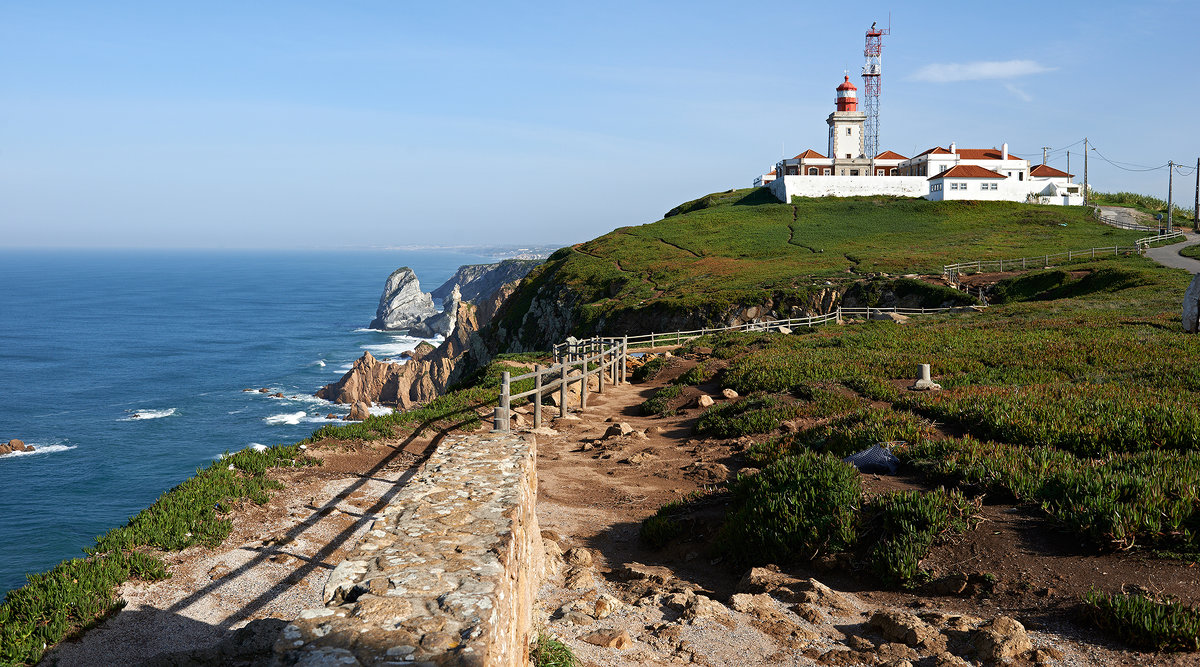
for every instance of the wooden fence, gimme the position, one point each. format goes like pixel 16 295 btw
pixel 952 271
pixel 606 358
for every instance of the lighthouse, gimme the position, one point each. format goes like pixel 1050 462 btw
pixel 846 139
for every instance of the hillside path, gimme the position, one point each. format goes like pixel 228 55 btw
pixel 1169 255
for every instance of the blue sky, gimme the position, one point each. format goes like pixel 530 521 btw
pixel 368 124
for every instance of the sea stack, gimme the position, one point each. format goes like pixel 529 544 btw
pixel 402 304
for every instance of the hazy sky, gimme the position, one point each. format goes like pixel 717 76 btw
pixel 358 124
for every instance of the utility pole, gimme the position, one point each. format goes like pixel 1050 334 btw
pixel 1196 204
pixel 1044 149
pixel 1170 188
pixel 1086 194
pixel 1068 166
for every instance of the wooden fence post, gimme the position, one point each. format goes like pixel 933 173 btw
pixel 500 421
pixel 602 370
pixel 562 391
pixel 624 359
pixel 537 396
pixel 583 385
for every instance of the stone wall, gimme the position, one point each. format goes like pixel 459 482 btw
pixel 446 576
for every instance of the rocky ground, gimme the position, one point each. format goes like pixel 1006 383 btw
pixel 1006 592
pixel 226 606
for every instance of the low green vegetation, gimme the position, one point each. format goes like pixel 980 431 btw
pixel 79 593
pixel 1140 202
pixel 899 529
pixel 697 375
pixel 659 403
pixel 548 651
pixel 649 370
pixel 1145 622
pixel 743 248
pixel 754 414
pixel 1192 251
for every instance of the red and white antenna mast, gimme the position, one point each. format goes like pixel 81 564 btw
pixel 872 74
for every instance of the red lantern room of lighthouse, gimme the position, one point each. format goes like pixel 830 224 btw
pixel 847 96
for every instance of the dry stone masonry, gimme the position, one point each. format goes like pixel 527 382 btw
pixel 446 576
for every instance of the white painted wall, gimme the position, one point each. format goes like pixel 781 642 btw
pixel 786 187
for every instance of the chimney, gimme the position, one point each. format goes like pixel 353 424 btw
pixel 953 149
pixel 1004 151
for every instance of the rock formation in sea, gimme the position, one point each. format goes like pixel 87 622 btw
pixel 428 371
pixel 402 304
pixel 480 281
pixel 440 324
pixel 15 445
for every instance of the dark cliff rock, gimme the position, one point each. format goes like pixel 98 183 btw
pixel 480 281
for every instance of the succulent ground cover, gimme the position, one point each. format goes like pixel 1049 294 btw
pixel 1078 398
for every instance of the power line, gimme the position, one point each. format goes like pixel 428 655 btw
pixel 1119 165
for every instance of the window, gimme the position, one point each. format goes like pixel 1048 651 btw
pixel 843 172
pixel 984 186
pixel 812 171
pixel 995 186
pixel 848 132
pixel 942 169
pixel 854 172
pixel 827 172
pixel 847 156
pixel 1020 175
pixel 893 172
pixel 879 172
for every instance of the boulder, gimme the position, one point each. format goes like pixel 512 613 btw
pixel 402 303
pixel 895 317
pixel 605 606
pixel 618 639
pixel 358 412
pixel 1191 306
pixel 439 324
pixel 18 445
pixel 705 401
pixel 906 628
pixel 701 606
pixel 618 430
pixel 729 393
pixel 578 556
pixel 1000 639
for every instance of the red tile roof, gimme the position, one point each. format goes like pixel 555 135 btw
pixel 983 154
pixel 966 171
pixel 1046 171
pixel 809 153
pixel 936 150
pixel 890 155
pixel 772 173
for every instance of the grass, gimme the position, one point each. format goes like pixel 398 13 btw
pixel 697 375
pixel 742 248
pixel 548 651
pixel 649 370
pixel 79 593
pixel 1192 251
pixel 900 528
pixel 1144 622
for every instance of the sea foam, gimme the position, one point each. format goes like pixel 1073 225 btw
pixel 292 418
pixel 39 449
pixel 138 415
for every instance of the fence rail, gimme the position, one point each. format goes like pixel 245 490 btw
pixel 607 358
pixel 952 271
pixel 1113 221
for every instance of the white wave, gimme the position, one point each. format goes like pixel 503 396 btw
pixel 397 345
pixel 258 447
pixel 379 410
pixel 308 398
pixel 138 415
pixel 39 449
pixel 318 362
pixel 292 418
pixel 322 419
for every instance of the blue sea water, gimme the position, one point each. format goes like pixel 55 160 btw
pixel 125 369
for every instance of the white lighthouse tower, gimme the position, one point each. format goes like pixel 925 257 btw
pixel 846 139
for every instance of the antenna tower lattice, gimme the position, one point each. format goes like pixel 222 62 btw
pixel 872 74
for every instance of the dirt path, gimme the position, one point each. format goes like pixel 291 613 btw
pixel 273 565
pixel 594 491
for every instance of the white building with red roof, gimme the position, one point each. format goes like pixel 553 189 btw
pixel 936 174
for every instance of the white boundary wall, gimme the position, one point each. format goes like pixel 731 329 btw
pixel 786 187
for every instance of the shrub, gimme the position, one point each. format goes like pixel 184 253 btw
pixel 698 374
pixel 755 414
pixel 901 527
pixel 548 651
pixel 1143 622
pixel 657 404
pixel 649 370
pixel 794 509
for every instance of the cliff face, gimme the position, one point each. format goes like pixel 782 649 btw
pixel 479 281
pixel 428 372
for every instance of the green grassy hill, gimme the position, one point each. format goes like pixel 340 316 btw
pixel 744 248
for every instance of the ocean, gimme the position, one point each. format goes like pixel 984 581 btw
pixel 126 369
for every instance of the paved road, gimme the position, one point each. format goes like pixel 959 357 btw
pixel 1169 255
pixel 1126 215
